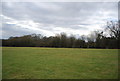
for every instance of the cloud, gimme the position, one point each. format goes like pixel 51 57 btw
pixel 50 18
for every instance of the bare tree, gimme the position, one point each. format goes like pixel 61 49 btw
pixel 114 29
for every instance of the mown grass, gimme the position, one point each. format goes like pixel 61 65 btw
pixel 59 63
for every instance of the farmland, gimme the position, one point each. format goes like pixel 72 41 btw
pixel 59 63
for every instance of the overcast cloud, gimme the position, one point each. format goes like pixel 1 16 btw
pixel 78 18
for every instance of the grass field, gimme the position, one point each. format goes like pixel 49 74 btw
pixel 59 63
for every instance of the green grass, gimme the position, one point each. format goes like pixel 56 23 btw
pixel 59 63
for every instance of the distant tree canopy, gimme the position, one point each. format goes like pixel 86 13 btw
pixel 96 39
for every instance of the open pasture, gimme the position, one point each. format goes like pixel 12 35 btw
pixel 59 63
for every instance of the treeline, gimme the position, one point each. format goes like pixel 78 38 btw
pixel 37 40
pixel 98 39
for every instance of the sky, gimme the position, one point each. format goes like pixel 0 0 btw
pixel 51 18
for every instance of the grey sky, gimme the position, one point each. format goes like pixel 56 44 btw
pixel 49 18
